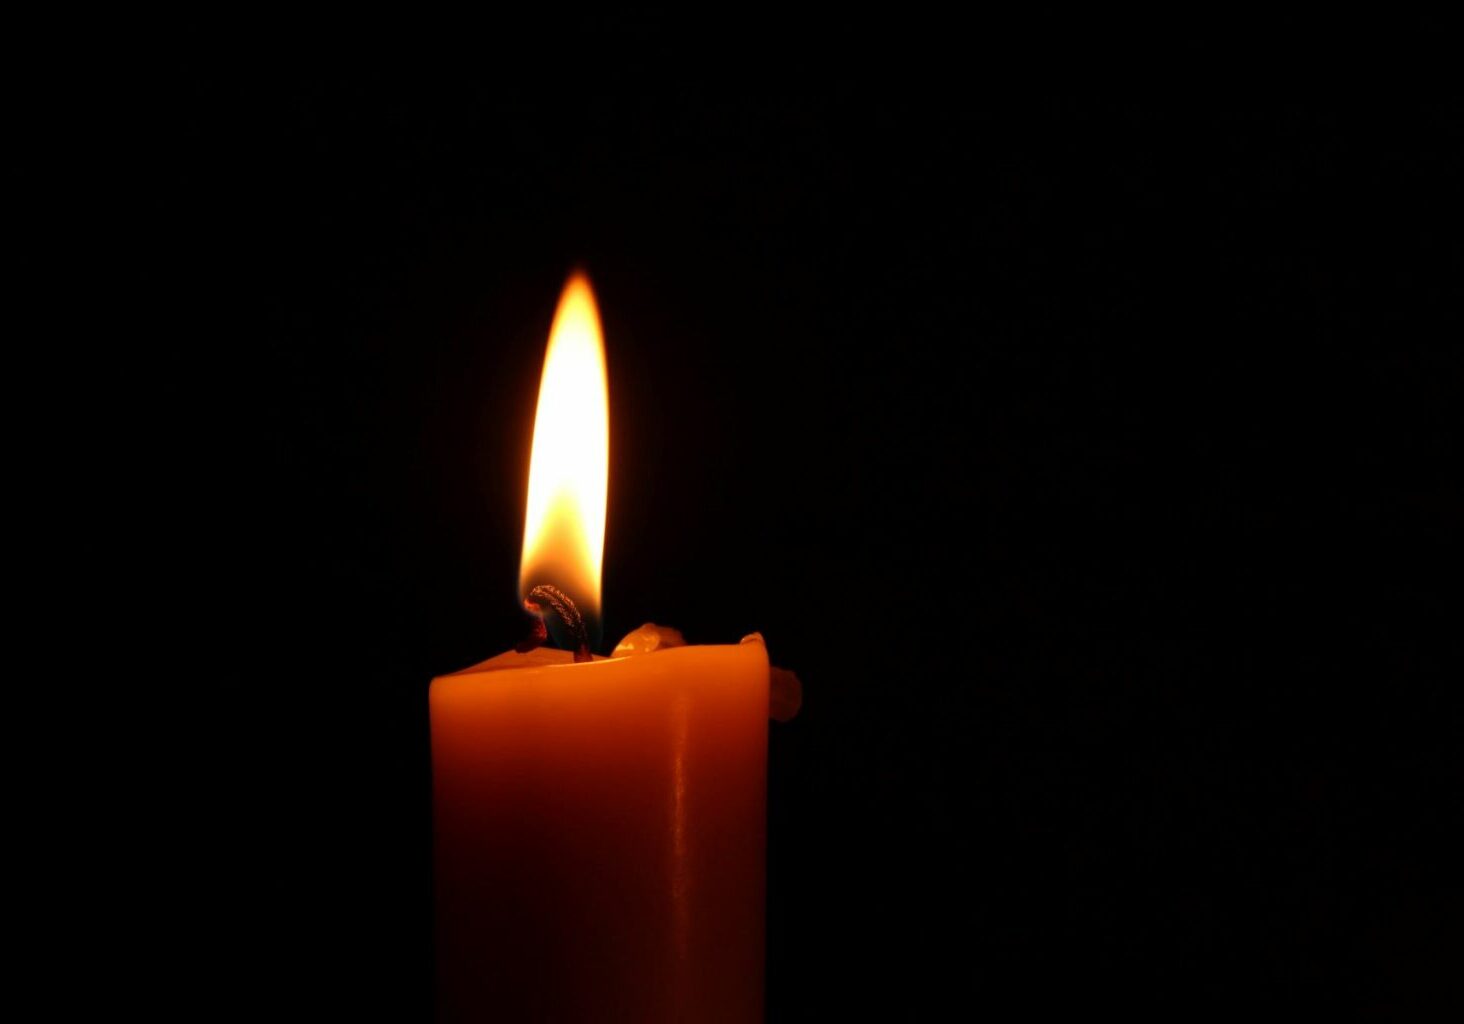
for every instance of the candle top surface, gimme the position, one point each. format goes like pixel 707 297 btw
pixel 539 657
pixel 785 689
pixel 551 657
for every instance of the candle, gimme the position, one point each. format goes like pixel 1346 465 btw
pixel 599 823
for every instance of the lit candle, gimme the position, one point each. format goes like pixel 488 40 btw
pixel 599 824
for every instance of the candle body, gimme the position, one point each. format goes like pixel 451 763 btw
pixel 600 834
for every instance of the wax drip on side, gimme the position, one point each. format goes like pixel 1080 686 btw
pixel 543 600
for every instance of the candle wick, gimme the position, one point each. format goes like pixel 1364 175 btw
pixel 544 599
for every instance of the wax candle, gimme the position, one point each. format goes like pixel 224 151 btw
pixel 600 836
pixel 599 824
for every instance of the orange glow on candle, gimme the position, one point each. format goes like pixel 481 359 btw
pixel 569 468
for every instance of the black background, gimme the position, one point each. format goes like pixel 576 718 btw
pixel 1082 450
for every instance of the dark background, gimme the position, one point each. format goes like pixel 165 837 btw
pixel 1083 452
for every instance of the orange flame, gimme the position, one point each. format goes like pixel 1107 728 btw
pixel 569 470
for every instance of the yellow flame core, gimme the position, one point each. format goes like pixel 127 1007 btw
pixel 569 469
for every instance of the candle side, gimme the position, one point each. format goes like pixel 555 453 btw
pixel 600 836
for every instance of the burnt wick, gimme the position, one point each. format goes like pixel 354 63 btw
pixel 544 599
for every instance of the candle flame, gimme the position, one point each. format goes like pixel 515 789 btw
pixel 569 469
